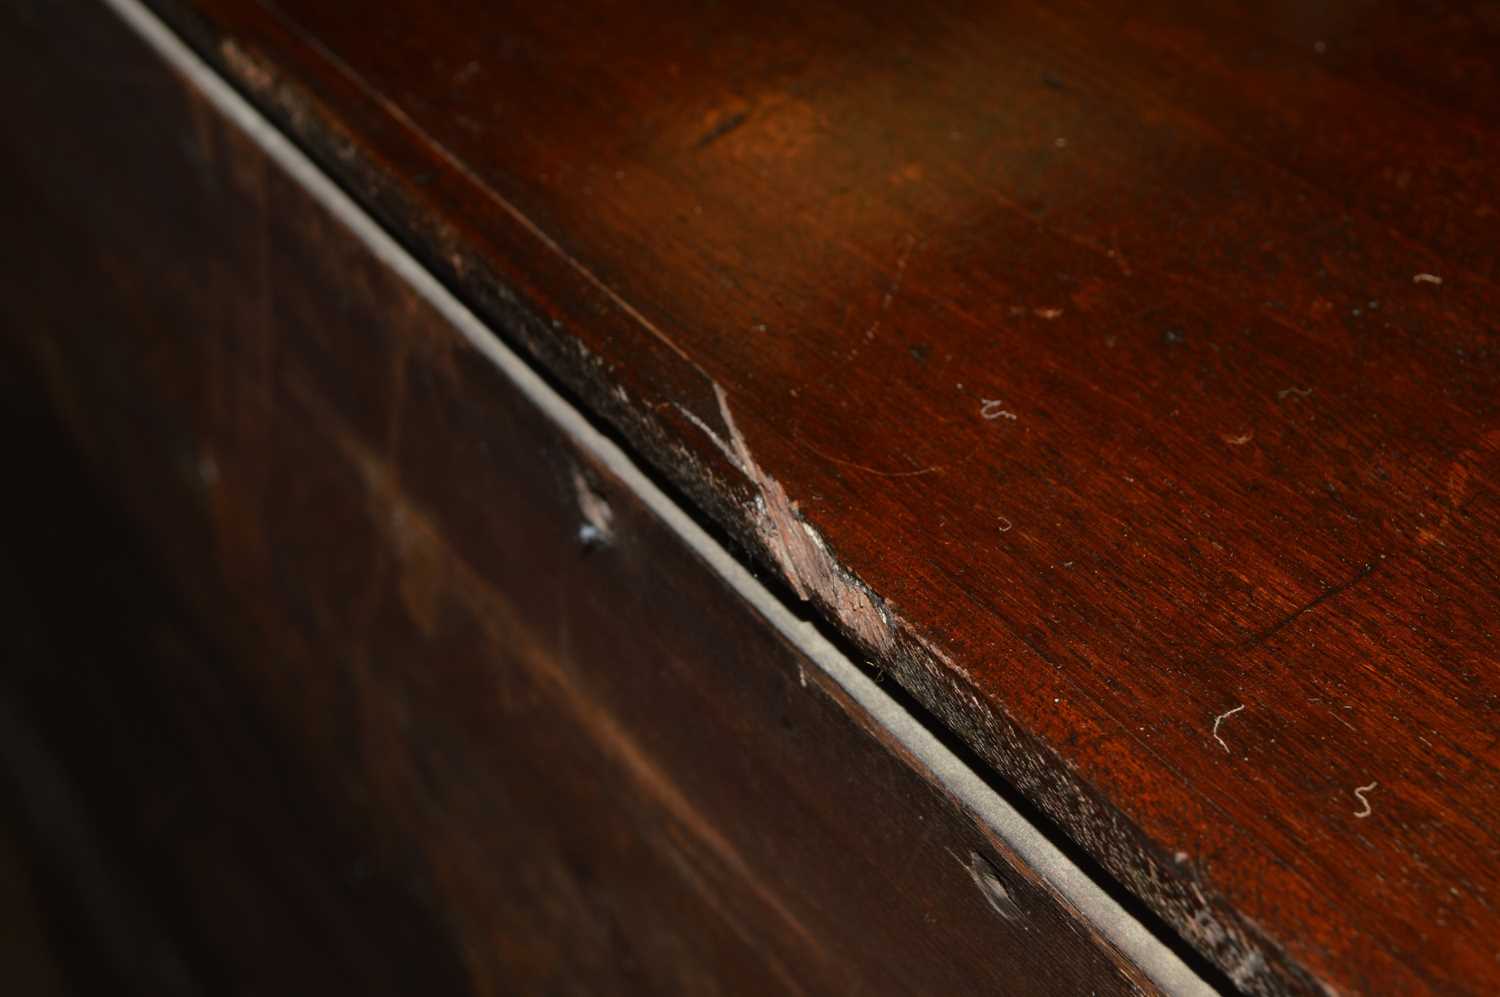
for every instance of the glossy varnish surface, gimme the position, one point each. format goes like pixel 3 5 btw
pixel 1134 369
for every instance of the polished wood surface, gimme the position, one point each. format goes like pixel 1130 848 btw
pixel 1134 365
pixel 399 688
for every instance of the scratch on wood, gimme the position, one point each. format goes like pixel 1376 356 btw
pixel 1365 808
pixel 796 547
pixel 895 286
pixel 913 473
pixel 724 127
pixel 1260 637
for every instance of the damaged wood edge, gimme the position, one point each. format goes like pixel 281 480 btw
pixel 795 545
pixel 813 573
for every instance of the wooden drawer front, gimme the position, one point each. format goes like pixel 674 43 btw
pixel 517 693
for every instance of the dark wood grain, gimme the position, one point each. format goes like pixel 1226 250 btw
pixel 406 727
pixel 1134 365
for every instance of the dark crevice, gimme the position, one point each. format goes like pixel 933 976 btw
pixel 1260 637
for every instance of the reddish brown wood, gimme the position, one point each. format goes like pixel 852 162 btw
pixel 1194 250
pixel 405 729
